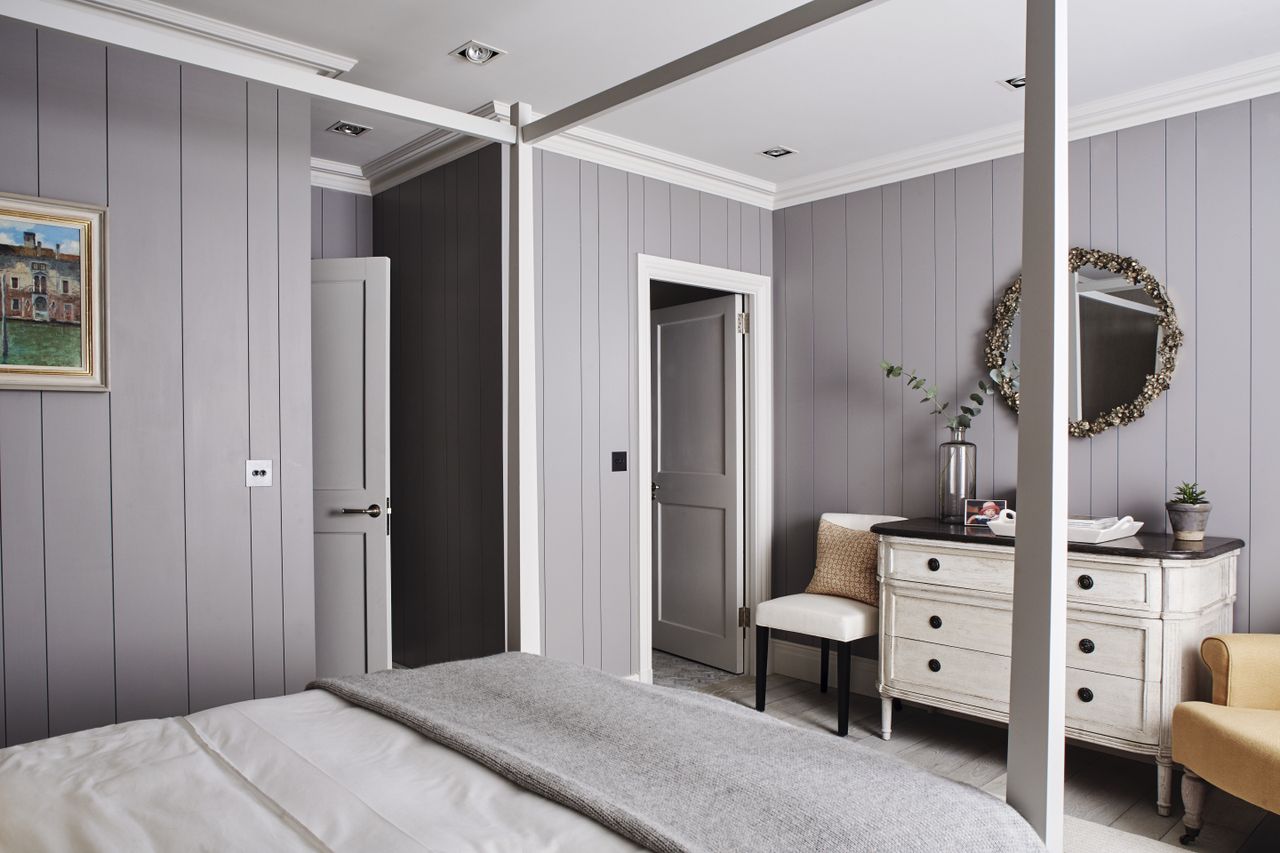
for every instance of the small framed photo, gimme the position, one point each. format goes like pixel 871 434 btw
pixel 52 301
pixel 979 513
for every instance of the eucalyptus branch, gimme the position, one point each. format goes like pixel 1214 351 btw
pixel 968 410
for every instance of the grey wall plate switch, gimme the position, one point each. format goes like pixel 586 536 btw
pixel 257 472
pixel 619 460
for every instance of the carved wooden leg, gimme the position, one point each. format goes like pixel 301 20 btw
pixel 1193 792
pixel 886 717
pixel 1164 786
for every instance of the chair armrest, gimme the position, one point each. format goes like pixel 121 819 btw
pixel 1246 669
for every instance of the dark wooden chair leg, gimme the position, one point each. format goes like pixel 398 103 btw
pixel 844 653
pixel 762 661
pixel 826 654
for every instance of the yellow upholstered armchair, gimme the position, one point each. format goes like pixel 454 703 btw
pixel 1232 743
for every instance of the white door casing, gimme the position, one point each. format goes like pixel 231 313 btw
pixel 350 358
pixel 697 481
pixel 758 521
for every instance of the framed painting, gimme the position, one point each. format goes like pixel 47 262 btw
pixel 52 295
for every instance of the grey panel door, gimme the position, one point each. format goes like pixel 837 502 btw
pixel 350 317
pixel 697 496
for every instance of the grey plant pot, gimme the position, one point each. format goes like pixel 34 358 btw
pixel 1188 520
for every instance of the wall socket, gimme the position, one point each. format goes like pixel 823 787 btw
pixel 257 472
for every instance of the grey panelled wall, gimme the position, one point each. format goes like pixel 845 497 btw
pixel 590 222
pixel 341 224
pixel 443 232
pixel 909 271
pixel 138 576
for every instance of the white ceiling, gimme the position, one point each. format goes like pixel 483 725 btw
pixel 898 75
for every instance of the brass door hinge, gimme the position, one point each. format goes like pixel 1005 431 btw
pixel 744 324
pixel 744 617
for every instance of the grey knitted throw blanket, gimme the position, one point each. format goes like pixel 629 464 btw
pixel 674 771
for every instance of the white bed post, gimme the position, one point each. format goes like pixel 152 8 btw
pixel 524 587
pixel 1038 675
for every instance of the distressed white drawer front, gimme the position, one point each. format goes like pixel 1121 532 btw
pixel 1121 707
pixel 1098 583
pixel 943 566
pixel 1130 650
pixel 958 624
pixel 962 675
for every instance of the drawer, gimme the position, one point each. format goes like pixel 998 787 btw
pixel 1121 707
pixel 941 566
pixel 1099 583
pixel 1097 643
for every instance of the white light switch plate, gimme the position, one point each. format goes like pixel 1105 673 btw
pixel 257 472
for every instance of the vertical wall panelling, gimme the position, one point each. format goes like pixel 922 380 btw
pixel 636 206
pixel 19 168
pixel 1140 182
pixel 214 311
pixel 364 226
pixel 657 218
pixel 1006 259
pixel 919 338
pixel 1223 248
pixel 947 354
pixel 341 224
pixel 591 455
pixel 143 143
pixel 1103 234
pixel 76 446
pixel 1180 224
pixel 264 388
pixel 1080 452
pixel 443 233
pixel 894 398
pixel 1265 468
pixel 317 223
pixel 733 234
pixel 297 550
pixel 686 215
pixel 974 291
pixel 800 521
pixel 713 232
pixel 830 359
pixel 864 275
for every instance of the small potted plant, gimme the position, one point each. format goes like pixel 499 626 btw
pixel 1189 512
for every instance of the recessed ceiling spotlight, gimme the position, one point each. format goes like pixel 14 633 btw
pixel 349 128
pixel 777 151
pixel 477 53
pixel 1013 84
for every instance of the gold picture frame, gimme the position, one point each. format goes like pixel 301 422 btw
pixel 53 319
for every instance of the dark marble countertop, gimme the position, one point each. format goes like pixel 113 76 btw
pixel 1151 546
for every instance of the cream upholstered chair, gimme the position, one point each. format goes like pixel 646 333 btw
pixel 1232 743
pixel 827 617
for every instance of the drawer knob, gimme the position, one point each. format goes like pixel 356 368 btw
pixel 1085 582
pixel 934 665
pixel 1085 694
pixel 1087 646
pixel 934 564
pixel 935 622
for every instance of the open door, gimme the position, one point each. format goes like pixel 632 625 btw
pixel 350 358
pixel 698 553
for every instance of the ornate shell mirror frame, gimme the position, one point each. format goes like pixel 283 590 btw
pixel 1123 341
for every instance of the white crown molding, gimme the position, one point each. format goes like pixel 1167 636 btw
pixel 429 151
pixel 1227 85
pixel 159 17
pixel 332 175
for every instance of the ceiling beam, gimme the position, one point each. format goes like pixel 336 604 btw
pixel 126 32
pixel 773 31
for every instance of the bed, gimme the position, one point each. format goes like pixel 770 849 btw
pixel 512 752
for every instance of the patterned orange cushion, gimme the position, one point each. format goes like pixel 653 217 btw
pixel 847 562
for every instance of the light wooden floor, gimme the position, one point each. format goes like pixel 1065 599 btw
pixel 1100 787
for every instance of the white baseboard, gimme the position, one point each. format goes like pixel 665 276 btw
pixel 804 662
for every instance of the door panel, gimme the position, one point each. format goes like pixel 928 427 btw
pixel 350 370
pixel 698 445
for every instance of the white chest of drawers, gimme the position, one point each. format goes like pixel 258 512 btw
pixel 1137 610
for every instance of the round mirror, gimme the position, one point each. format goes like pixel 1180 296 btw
pixel 1123 341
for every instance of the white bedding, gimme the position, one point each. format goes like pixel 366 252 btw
pixel 301 772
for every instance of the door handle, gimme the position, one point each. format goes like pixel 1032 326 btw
pixel 373 511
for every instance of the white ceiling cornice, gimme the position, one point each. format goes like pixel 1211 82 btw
pixel 332 175
pixel 160 17
pixel 428 152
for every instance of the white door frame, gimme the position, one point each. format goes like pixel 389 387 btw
pixel 758 512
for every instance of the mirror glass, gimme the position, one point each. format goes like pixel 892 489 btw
pixel 1122 342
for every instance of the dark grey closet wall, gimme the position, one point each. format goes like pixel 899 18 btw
pixel 139 577
pixel 341 224
pixel 590 222
pixel 909 271
pixel 444 234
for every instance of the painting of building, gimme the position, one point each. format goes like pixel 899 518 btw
pixel 41 306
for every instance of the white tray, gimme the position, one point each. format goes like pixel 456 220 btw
pixel 1005 524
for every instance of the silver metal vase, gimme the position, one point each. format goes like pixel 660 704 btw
pixel 957 476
